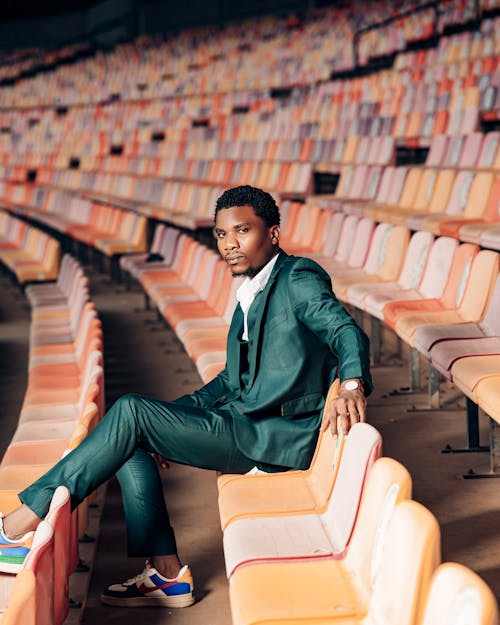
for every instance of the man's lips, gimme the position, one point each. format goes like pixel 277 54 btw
pixel 232 260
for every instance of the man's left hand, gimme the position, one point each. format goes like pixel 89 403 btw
pixel 345 410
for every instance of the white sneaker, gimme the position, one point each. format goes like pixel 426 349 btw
pixel 149 588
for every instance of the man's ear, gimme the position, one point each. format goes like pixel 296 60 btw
pixel 275 234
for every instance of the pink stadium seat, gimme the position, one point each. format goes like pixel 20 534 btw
pixel 285 536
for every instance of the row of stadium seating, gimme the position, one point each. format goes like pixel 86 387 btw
pixel 28 253
pixel 257 54
pixel 339 541
pixel 414 98
pixel 443 200
pixel 64 400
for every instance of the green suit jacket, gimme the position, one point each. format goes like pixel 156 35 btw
pixel 300 339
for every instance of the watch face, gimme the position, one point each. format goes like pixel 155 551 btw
pixel 352 385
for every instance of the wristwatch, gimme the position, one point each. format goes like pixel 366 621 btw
pixel 351 385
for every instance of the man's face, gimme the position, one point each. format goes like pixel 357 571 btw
pixel 244 240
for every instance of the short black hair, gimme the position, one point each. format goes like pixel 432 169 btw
pixel 262 203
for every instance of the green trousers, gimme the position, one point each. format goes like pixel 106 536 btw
pixel 121 444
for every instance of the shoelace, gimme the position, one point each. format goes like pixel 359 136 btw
pixel 137 578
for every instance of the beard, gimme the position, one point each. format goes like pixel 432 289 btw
pixel 251 272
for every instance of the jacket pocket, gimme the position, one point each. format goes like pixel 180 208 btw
pixel 300 405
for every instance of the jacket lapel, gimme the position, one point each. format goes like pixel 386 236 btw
pixel 256 313
pixel 233 347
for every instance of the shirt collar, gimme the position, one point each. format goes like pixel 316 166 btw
pixel 251 286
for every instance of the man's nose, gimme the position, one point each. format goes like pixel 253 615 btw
pixel 231 242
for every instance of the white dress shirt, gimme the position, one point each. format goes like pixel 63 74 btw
pixel 248 290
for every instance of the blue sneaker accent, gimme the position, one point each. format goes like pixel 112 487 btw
pixel 13 552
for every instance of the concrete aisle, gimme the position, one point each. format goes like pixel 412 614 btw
pixel 142 355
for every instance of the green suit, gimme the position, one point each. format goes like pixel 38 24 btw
pixel 263 409
pixel 300 339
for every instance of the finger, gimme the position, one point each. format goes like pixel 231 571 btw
pixel 343 423
pixel 362 409
pixel 326 422
pixel 352 412
pixel 339 410
pixel 333 423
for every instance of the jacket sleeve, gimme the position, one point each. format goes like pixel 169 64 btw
pixel 208 395
pixel 316 306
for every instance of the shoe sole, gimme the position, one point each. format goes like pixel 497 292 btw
pixel 175 601
pixel 7 567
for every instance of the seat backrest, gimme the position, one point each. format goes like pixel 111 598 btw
pixel 332 235
pixel 181 252
pixel 459 274
pixel 471 150
pixel 325 462
pixel 437 150
pixel 127 224
pixel 345 181
pixel 361 242
pixel 221 269
pixel 191 260
pixel 203 281
pixel 491 321
pixel 402 576
pixel 158 237
pixel 378 245
pixel 382 150
pixel 359 181
pixel 489 150
pixel 415 259
pixel 323 223
pixel 40 561
pixel 397 184
pixel 460 193
pixel 458 596
pixel 306 224
pixel 32 241
pixel 346 239
pixel 453 151
pixel 139 234
pixel 191 268
pixel 292 215
pixel 362 446
pixel 425 189
pixel 482 279
pixel 438 267
pixel 386 181
pixel 169 245
pixel 227 301
pixel 372 182
pixel 59 518
pixel 492 209
pixel 394 253
pixel 478 194
pixel 442 191
pixel 410 188
pixel 388 483
pixel 350 148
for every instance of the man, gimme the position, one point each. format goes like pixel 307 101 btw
pixel 289 338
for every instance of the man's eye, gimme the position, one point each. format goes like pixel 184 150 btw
pixel 220 235
pixel 243 230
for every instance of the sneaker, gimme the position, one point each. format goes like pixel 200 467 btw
pixel 149 588
pixel 13 552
